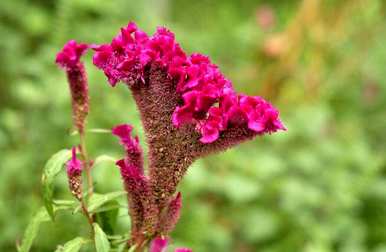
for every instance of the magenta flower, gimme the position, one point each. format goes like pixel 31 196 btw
pixel 133 149
pixel 159 244
pixel 74 174
pixel 183 250
pixel 199 83
pixel 70 55
pixel 69 60
pixel 142 209
pixel 188 110
pixel 74 166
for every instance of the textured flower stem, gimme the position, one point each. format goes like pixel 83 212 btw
pixel 88 216
pixel 172 150
pixel 188 110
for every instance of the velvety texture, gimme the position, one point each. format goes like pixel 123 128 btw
pixel 69 59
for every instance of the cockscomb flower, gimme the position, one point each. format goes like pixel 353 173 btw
pixel 198 82
pixel 188 110
pixel 159 244
pixel 187 106
pixel 69 59
pixel 74 175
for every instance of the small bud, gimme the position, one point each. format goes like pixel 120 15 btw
pixel 158 244
pixel 183 250
pixel 265 17
pixel 131 144
pixel 74 174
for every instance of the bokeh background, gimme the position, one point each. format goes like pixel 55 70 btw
pixel 319 187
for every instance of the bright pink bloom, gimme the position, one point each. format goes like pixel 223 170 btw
pixel 69 57
pixel 74 175
pixel 199 82
pixel 74 166
pixel 158 244
pixel 131 144
pixel 183 250
pixel 125 58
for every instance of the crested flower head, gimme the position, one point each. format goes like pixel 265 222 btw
pixel 69 56
pixel 208 99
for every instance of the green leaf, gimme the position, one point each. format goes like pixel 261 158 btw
pixel 65 204
pixel 122 247
pixel 97 200
pixel 104 158
pixel 51 170
pixel 132 249
pixel 101 242
pixel 108 219
pixel 32 229
pixel 97 131
pixel 72 246
pixel 103 131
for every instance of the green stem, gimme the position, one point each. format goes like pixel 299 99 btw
pixel 88 216
pixel 86 163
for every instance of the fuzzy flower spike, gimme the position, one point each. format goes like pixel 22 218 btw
pixel 142 208
pixel 187 107
pixel 74 175
pixel 69 60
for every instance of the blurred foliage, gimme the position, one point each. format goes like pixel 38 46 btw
pixel 320 186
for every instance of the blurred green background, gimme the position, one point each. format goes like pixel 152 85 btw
pixel 319 187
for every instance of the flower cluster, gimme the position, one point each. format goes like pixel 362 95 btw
pixel 208 99
pixel 188 110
